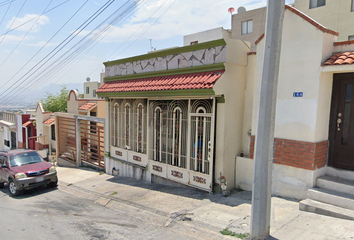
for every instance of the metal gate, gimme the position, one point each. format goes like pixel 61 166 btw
pixel 67 139
pixel 92 143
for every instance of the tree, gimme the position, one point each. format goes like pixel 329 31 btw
pixel 56 102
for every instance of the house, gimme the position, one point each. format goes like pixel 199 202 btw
pixel 80 132
pixel 175 115
pixel 337 15
pixel 313 116
pixel 15 129
pixel 45 127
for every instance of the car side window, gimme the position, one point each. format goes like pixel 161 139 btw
pixel 2 162
pixel 5 160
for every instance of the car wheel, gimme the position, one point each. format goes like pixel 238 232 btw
pixel 53 184
pixel 2 184
pixel 13 189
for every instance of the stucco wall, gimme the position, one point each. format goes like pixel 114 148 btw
pixel 286 181
pixel 73 104
pixel 92 86
pixel 299 118
pixel 230 114
pixel 259 18
pixel 335 15
pixel 205 36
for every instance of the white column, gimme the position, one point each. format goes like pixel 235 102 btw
pixel 262 183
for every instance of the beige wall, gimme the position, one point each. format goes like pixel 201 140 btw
pixel 92 86
pixel 335 15
pixel 259 18
pixel 41 116
pixel 206 36
pixel 300 118
pixel 230 114
pixel 73 103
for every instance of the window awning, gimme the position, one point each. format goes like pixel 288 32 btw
pixel 87 106
pixel 190 81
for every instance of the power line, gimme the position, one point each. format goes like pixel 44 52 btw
pixel 14 20
pixel 10 30
pixel 50 39
pixel 6 12
pixel 73 53
pixel 75 33
pixel 25 35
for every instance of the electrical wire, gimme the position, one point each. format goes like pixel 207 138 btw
pixel 85 46
pixel 13 20
pixel 33 18
pixel 6 12
pixel 25 35
pixel 72 36
pixel 50 38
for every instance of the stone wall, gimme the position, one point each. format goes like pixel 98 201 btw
pixel 182 60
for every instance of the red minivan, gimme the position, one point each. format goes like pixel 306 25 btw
pixel 25 169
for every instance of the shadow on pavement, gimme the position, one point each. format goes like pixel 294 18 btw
pixel 29 193
pixel 235 197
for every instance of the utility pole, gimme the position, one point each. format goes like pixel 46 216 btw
pixel 262 180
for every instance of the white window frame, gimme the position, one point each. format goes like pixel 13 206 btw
pixel 116 125
pixel 317 3
pixel 179 136
pixel 142 128
pixel 155 137
pixel 127 128
pixel 246 27
pixel 351 37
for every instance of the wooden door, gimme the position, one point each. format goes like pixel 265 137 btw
pixel 341 133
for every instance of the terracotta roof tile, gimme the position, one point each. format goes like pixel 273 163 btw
pixel 87 106
pixel 259 39
pixel 26 123
pixel 200 80
pixel 49 121
pixel 345 58
pixel 252 53
pixel 343 43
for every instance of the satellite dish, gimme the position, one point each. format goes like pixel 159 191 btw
pixel 241 10
pixel 231 10
pixel 88 79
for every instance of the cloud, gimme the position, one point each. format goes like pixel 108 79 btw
pixel 42 43
pixel 182 18
pixel 31 22
pixel 14 39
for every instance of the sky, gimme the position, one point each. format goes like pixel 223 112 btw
pixel 43 42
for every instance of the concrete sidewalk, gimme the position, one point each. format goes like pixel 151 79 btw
pixel 198 214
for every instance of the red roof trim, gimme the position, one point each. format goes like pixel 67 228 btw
pixel 259 39
pixel 343 43
pixel 311 21
pixel 199 80
pixel 252 53
pixel 26 123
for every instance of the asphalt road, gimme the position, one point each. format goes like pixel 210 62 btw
pixel 54 214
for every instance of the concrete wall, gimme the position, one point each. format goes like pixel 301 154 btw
pixel 259 18
pixel 93 86
pixel 206 36
pixel 73 103
pixel 335 15
pixel 229 122
pixel 122 169
pixel 299 118
pixel 287 181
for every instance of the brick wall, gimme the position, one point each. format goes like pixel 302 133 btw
pixel 252 144
pixel 300 154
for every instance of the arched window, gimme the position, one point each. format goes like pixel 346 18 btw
pixel 157 133
pixel 127 125
pixel 200 143
pixel 177 130
pixel 140 130
pixel 116 124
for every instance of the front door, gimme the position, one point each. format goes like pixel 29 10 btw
pixel 341 132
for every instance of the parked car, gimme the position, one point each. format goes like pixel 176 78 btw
pixel 24 169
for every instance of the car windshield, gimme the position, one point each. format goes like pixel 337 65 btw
pixel 24 159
